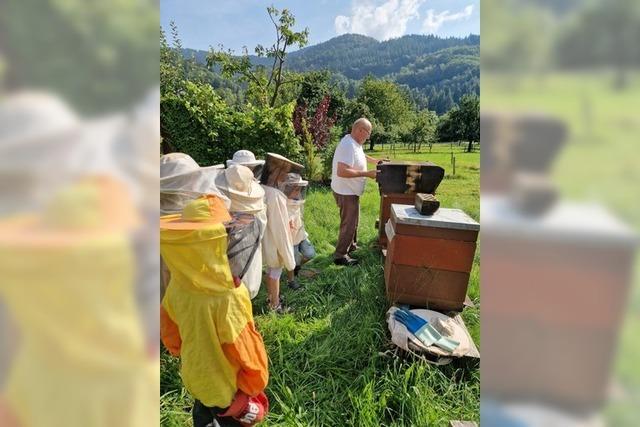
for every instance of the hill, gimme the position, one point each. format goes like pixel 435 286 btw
pixel 436 71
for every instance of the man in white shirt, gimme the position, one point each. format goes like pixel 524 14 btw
pixel 348 176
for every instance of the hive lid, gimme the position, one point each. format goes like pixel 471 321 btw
pixel 442 218
pixel 409 177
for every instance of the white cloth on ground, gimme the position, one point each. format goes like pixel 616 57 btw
pixel 401 337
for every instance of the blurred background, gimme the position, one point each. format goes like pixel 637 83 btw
pixel 79 135
pixel 560 90
pixel 79 142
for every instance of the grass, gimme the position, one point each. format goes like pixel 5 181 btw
pixel 328 358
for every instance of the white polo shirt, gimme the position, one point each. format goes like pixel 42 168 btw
pixel 352 154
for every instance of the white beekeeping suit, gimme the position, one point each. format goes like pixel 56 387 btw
pixel 277 245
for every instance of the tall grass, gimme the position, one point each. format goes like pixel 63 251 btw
pixel 328 359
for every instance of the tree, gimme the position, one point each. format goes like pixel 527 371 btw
pixel 262 85
pixel 469 119
pixel 317 126
pixel 462 123
pixel 198 122
pixel 171 69
pixel 387 103
pixel 423 130
pixel 446 129
pixel 314 86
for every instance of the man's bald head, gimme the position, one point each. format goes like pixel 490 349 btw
pixel 361 130
pixel 361 122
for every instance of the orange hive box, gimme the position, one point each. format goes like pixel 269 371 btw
pixel 429 258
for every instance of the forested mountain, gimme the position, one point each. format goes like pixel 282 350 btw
pixel 436 71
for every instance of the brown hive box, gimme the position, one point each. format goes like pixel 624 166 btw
pixel 409 177
pixel 429 258
pixel 386 200
pixel 399 182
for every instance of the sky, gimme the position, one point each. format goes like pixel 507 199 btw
pixel 238 23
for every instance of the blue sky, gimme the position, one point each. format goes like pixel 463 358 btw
pixel 236 23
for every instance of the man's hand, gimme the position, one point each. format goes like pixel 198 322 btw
pixel 372 173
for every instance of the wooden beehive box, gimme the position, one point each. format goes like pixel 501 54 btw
pixel 386 200
pixel 409 177
pixel 429 258
pixel 398 182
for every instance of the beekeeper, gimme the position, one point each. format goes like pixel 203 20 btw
pixel 183 180
pixel 206 318
pixel 248 159
pixel 295 188
pixel 277 245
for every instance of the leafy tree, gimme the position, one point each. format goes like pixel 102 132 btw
pixel 264 86
pixel 387 103
pixel 423 130
pixel 353 110
pixel 446 129
pixel 318 127
pixel 462 123
pixel 604 34
pixel 314 86
pixel 469 119
pixel 172 72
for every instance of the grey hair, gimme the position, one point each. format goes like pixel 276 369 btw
pixel 362 121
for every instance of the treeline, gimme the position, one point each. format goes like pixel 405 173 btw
pixel 437 72
pixel 209 111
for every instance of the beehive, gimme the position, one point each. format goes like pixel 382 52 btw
pixel 429 258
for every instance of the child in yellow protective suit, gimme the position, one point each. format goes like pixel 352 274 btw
pixel 206 319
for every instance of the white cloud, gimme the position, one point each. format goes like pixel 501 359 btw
pixel 434 20
pixel 382 22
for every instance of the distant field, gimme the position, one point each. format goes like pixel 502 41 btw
pixel 326 361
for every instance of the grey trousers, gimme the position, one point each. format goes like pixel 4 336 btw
pixel 349 218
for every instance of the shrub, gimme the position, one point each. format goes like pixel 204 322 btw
pixel 198 122
pixel 329 150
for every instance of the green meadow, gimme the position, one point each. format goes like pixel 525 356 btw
pixel 331 360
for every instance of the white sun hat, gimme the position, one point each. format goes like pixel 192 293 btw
pixel 240 186
pixel 244 158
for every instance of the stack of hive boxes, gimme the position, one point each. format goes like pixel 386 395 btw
pixel 428 258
